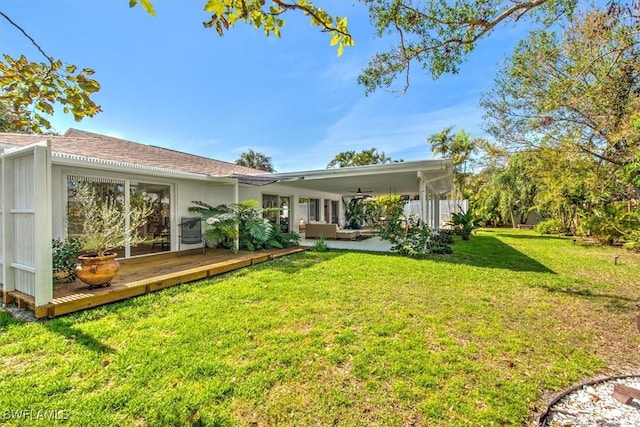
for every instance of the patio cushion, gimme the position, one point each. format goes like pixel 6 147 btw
pixel 315 230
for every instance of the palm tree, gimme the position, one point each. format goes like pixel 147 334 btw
pixel 441 142
pixel 362 158
pixel 460 148
pixel 511 190
pixel 256 160
pixel 342 160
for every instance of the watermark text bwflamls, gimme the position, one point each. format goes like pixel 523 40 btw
pixel 34 414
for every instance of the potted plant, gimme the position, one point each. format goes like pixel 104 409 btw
pixel 104 223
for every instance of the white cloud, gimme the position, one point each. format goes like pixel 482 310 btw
pixel 369 124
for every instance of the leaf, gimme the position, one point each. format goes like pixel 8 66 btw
pixel 45 107
pixel 215 6
pixel 147 6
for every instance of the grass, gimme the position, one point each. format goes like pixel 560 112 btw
pixel 474 338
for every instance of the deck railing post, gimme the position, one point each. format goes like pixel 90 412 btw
pixel 44 224
pixel 8 236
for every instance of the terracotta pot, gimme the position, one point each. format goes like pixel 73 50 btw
pixel 97 270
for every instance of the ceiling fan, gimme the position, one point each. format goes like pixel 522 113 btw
pixel 360 192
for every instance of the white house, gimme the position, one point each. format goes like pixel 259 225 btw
pixel 38 170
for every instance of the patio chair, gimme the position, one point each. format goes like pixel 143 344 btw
pixel 161 237
pixel 191 233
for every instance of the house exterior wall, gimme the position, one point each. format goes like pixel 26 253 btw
pixel 183 193
pixel 256 192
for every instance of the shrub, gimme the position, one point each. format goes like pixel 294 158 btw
pixel 549 226
pixel 320 244
pixel 414 242
pixel 105 221
pixel 284 239
pixel 444 237
pixel 463 223
pixel 65 253
pixel 243 221
pixel 610 223
pixel 632 246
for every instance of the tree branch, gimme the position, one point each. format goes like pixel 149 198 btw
pixel 484 25
pixel 49 58
pixel 309 11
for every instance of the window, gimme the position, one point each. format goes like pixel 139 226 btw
pixel 158 228
pixel 276 210
pixel 285 211
pixel 104 188
pixel 314 210
pixel 331 211
pixel 334 211
pixel 309 210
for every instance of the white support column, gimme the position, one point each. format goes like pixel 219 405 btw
pixel 436 212
pixel 236 200
pixel 43 220
pixel 432 208
pixel 423 199
pixel 1 217
pixel 8 243
pixel 427 211
pixel 127 220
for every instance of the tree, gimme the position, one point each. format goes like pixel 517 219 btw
pixel 8 121
pixel 437 35
pixel 362 158
pixel 510 192
pixel 460 148
pixel 581 88
pixel 256 160
pixel 30 90
pixel 573 98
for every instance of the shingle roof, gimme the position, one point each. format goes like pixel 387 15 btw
pixel 88 144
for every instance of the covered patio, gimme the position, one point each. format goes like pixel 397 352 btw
pixel 142 275
pixel 431 180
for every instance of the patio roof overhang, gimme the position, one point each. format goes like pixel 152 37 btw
pixel 391 178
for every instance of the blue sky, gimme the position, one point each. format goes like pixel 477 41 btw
pixel 167 81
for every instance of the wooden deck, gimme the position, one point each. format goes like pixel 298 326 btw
pixel 139 276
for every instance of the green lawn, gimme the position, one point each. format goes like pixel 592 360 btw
pixel 339 338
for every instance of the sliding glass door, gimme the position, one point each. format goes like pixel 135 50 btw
pixel 124 193
pixel 158 227
pixel 276 209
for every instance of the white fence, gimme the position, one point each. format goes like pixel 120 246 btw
pixel 447 207
pixel 25 222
